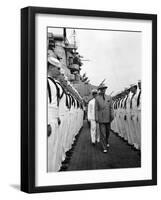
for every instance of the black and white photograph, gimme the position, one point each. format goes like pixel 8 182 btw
pixel 90 99
pixel 94 93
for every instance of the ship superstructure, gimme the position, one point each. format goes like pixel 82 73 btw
pixel 71 62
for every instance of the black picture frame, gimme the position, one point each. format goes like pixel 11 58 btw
pixel 28 91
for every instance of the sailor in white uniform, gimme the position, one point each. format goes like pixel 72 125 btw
pixel 91 118
pixel 125 114
pixel 119 122
pixel 122 113
pixel 53 113
pixel 129 117
pixel 127 109
pixel 134 116
pixel 137 107
pixel 114 122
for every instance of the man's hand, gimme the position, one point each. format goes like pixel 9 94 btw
pixel 49 130
pixel 132 117
pixel 59 121
pixel 111 117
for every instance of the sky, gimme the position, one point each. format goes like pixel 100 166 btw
pixel 113 55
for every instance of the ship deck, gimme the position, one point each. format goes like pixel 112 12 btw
pixel 85 156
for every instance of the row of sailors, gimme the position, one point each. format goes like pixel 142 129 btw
pixel 65 116
pixel 127 112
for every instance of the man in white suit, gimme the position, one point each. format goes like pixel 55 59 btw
pixel 91 118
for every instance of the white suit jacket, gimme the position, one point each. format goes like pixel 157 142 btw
pixel 91 110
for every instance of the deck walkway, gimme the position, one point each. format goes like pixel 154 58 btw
pixel 85 156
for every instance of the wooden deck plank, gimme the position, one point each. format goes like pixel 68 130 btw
pixel 88 157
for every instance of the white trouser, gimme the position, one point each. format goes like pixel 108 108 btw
pixel 53 146
pixel 124 124
pixel 69 139
pixel 129 129
pixel 113 123
pixel 139 127
pixel 67 132
pixel 94 131
pixel 133 130
pixel 119 124
pixel 62 130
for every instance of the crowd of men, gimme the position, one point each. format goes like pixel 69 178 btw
pixel 127 114
pixel 65 114
pixel 121 113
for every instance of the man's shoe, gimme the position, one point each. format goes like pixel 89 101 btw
pixel 104 151
pixel 108 145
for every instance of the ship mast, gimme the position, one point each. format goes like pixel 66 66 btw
pixel 74 38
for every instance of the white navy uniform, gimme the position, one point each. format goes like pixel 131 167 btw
pixel 123 135
pixel 53 115
pixel 63 134
pixel 62 126
pixel 134 121
pixel 129 119
pixel 91 118
pixel 113 123
pixel 137 111
pixel 119 117
pixel 126 125
pixel 124 121
pixel 139 116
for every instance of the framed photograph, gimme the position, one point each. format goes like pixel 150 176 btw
pixel 88 99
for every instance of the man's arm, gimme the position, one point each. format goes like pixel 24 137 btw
pixel 96 110
pixel 111 110
pixel 88 110
pixel 49 130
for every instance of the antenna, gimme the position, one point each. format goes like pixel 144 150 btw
pixel 74 38
pixel 102 82
pixel 85 60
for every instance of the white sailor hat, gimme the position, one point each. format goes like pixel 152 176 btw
pixel 53 61
pixel 132 85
